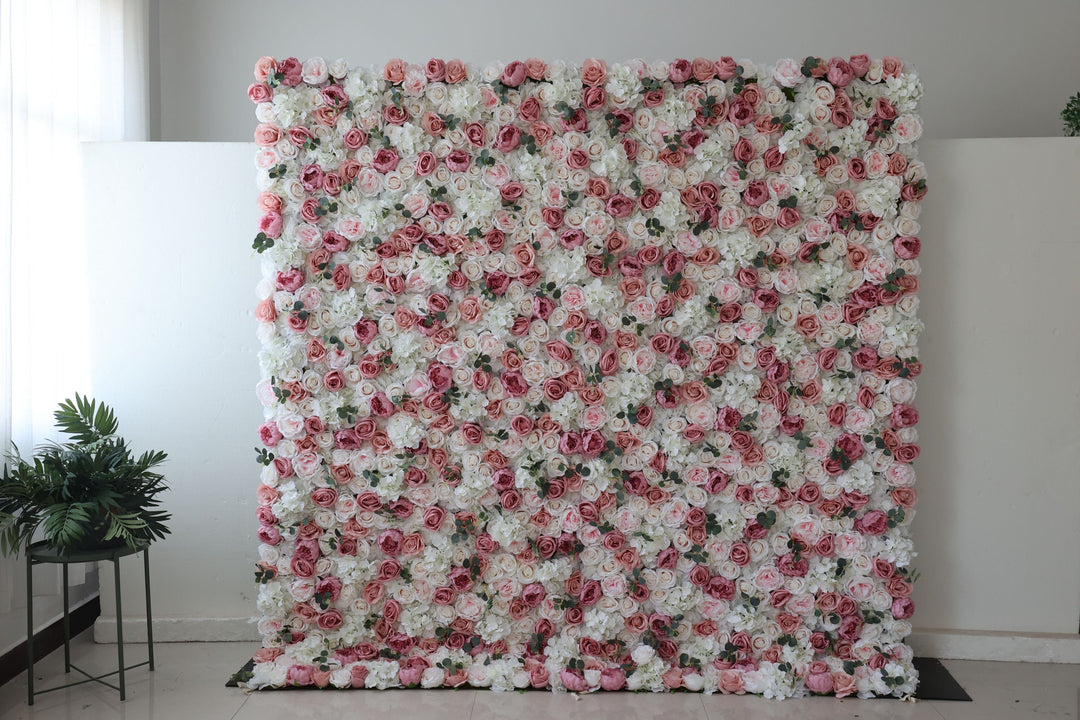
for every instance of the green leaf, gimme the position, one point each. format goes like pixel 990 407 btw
pixel 84 420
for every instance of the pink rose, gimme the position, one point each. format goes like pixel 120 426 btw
pixel 904 416
pixel 619 206
pixel 593 72
pixel 330 620
pixel 514 74
pixel 389 541
pixel 731 681
pixel 907 248
pixel 679 70
pixel 385 160
pixel 844 684
pixel 860 64
pixel 819 679
pixel 903 608
pixel 358 675
pixel 292 72
pixel 573 681
pixel 300 675
pixel 270 224
pixel 324 497
pixel 507 139
pixel 840 72
pixel 260 93
pixel 269 434
pixel 874 522
pixel 612 678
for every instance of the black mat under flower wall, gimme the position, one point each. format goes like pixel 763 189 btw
pixel 935 681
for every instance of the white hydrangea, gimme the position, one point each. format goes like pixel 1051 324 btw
pixel 623 85
pixel 600 296
pixel 292 504
pixel 562 89
pixel 499 319
pixel 904 333
pixel 563 268
pixel 478 201
pixel 404 431
pixel 808 188
pixel 290 106
pixel 859 477
pixel 602 624
pixel 670 211
pixel 793 137
pixel 898 548
pixel 851 140
pixel 463 99
pixel 739 247
pixel 692 317
pixel 506 674
pixel 435 270
pixel 390 486
pixel 470 406
pixel 676 112
pixel 904 92
pixel 612 164
pixel 566 410
pixel 273 601
pixel 278 355
pixel 473 485
pixel 415 620
pixel 881 195
pixel 494 627
pixel 382 674
pixel 713 150
pixel 530 168
pixel 409 139
pixel 505 529
pixel 739 386
pixel 362 87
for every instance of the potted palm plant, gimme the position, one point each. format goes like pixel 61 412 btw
pixel 88 493
pixel 1070 116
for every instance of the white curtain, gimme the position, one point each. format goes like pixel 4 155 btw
pixel 70 71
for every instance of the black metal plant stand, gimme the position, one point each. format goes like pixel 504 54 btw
pixel 39 553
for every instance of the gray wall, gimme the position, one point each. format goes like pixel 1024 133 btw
pixel 991 67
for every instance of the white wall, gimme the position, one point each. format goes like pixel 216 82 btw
pixel 997 526
pixel 990 67
pixel 172 287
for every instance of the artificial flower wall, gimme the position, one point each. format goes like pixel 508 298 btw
pixel 584 378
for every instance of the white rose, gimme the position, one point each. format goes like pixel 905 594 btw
pixel 314 71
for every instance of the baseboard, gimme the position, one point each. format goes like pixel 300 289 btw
pixel 178 629
pixel 1002 646
pixel 49 638
pixel 942 644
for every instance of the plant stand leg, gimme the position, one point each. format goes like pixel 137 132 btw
pixel 29 628
pixel 149 619
pixel 119 627
pixel 67 625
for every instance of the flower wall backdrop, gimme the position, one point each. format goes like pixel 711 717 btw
pixel 588 377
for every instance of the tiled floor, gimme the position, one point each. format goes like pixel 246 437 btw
pixel 190 683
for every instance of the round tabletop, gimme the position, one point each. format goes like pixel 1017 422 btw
pixel 43 552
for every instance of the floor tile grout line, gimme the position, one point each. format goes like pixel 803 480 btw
pixel 936 709
pixel 701 699
pixel 246 698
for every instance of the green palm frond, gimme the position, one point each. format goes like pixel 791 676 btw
pixel 66 524
pixel 86 421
